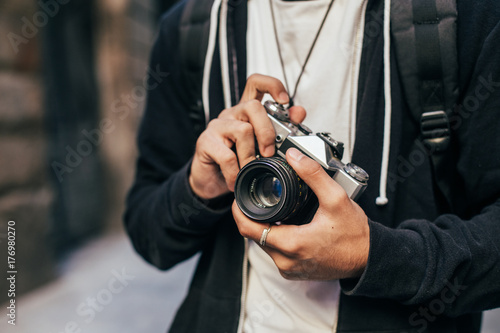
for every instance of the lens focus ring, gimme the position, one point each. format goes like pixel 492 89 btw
pixel 269 190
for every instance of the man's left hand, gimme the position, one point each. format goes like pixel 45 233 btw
pixel 334 245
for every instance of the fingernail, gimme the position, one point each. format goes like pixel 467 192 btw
pixel 283 98
pixel 295 154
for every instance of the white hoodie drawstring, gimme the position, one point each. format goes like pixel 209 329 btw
pixel 208 59
pixel 382 198
pixel 224 54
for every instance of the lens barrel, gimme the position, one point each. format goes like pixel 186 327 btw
pixel 268 190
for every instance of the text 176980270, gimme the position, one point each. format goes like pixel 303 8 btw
pixel 11 271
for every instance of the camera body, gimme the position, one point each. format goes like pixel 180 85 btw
pixel 268 189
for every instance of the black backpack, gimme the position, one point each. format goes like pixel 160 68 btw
pixel 422 32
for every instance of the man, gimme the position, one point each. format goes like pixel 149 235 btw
pixel 398 260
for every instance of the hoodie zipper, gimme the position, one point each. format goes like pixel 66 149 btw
pixel 358 44
pixel 244 285
pixel 226 84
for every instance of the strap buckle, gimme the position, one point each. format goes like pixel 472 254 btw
pixel 435 129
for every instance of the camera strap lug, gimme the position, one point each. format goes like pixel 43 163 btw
pixel 337 146
pixel 304 129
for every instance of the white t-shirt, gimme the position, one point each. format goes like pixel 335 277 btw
pixel 328 91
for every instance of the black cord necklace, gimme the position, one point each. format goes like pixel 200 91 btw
pixel 308 54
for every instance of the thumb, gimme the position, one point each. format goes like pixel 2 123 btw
pixel 312 173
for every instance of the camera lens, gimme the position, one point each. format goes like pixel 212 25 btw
pixel 266 190
pixel 269 190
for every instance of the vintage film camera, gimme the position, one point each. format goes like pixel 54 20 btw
pixel 268 189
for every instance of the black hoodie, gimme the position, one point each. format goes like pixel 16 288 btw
pixel 431 268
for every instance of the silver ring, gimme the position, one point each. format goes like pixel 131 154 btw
pixel 263 238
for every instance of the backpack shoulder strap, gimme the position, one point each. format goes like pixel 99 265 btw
pixel 424 33
pixel 425 39
pixel 194 33
pixel 193 44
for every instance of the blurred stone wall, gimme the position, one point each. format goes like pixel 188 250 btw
pixel 72 121
pixel 125 35
pixel 25 193
pixel 39 45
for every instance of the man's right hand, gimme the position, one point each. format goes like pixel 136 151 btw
pixel 215 163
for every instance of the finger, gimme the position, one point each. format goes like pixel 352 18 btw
pixel 255 113
pixel 314 175
pixel 285 244
pixel 226 134
pixel 214 150
pixel 236 133
pixel 247 228
pixel 286 265
pixel 292 268
pixel 297 114
pixel 257 85
pixel 242 134
pixel 253 230
pixel 281 238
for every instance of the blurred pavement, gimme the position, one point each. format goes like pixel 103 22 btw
pixel 105 287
